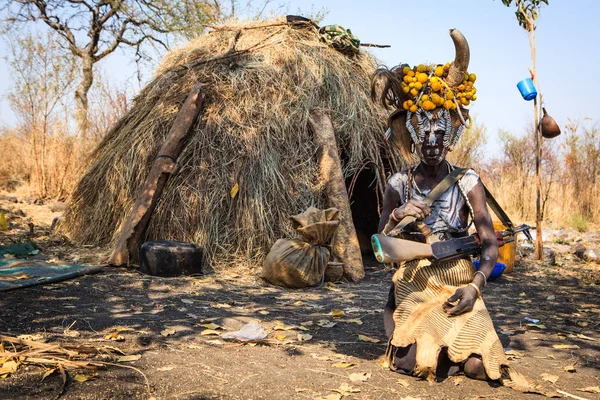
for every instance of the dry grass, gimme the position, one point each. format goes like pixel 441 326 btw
pixel 253 132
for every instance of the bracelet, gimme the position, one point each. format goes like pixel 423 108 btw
pixel 484 277
pixel 476 288
pixel 393 216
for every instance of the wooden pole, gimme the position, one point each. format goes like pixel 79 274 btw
pixel 345 246
pixel 128 242
pixel 539 244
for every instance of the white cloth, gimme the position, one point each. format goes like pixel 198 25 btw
pixel 450 212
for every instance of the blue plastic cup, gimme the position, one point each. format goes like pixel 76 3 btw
pixel 527 89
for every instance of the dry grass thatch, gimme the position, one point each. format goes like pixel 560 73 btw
pixel 253 132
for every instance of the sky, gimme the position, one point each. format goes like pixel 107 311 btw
pixel 567 38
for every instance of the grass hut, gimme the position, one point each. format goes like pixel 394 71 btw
pixel 262 81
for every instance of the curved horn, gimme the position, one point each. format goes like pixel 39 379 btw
pixel 456 74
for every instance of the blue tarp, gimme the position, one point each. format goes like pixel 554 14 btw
pixel 17 274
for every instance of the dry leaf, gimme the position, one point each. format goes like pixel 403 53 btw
pixel 71 333
pixel 580 336
pixel 8 367
pixel 83 378
pixel 280 326
pixel 279 336
pixel 565 346
pixel 303 337
pixel 364 338
pixel 344 365
pixel 333 396
pixel 215 342
pixel 211 325
pixel 14 277
pixel 337 313
pixel 402 382
pixel 522 294
pixel 346 390
pixel 187 301
pixel 513 353
pixel 207 332
pixel 114 336
pixel 234 191
pixel 48 373
pixel 590 389
pixel 354 321
pixel 570 368
pixel 168 332
pixel 333 287
pixel 457 380
pixel 134 357
pixel 360 376
pixel 298 303
pixel 166 368
pixel 326 323
pixel 263 312
pixel 549 378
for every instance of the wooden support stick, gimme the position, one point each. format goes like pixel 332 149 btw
pixel 344 245
pixel 128 242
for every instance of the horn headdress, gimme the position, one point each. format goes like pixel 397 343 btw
pixel 427 94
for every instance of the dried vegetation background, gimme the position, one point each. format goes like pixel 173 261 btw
pixel 253 133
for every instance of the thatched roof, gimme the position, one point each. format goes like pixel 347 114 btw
pixel 253 132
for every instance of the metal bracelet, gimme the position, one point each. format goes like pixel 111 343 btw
pixel 482 274
pixel 476 288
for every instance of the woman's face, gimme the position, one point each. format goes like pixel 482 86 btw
pixel 432 148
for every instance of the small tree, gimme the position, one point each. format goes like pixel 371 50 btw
pixel 91 30
pixel 469 149
pixel 527 14
pixel 41 79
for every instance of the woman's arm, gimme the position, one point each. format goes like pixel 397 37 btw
pixel 489 254
pixel 391 202
pixel 485 230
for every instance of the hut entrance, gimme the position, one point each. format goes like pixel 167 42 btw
pixel 362 191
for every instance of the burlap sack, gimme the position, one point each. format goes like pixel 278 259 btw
pixel 298 263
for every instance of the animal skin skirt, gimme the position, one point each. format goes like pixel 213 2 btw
pixel 420 289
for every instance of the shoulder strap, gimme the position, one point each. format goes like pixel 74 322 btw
pixel 500 213
pixel 437 191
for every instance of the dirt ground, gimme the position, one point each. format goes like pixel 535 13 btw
pixel 310 352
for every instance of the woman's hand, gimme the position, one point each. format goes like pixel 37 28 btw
pixel 466 297
pixel 414 208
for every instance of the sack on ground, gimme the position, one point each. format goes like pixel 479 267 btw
pixel 298 263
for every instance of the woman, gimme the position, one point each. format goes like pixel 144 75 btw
pixel 435 318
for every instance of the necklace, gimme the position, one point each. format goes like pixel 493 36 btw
pixel 414 182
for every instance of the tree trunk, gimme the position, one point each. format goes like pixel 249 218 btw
pixel 81 95
pixel 128 242
pixel 345 247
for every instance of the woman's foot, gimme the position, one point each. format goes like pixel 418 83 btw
pixel 473 368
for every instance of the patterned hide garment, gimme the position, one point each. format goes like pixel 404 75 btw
pixel 420 289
